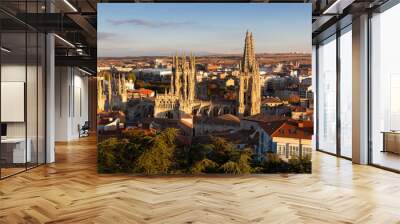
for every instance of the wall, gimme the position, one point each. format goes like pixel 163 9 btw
pixel 71 102
pixel 14 73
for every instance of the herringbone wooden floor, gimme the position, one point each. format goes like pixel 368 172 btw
pixel 71 191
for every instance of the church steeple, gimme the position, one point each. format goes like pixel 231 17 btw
pixel 248 62
pixel 246 52
pixel 249 96
pixel 191 77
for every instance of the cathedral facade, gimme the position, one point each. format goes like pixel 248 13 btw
pixel 249 93
pixel 181 96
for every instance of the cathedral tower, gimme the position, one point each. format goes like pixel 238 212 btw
pixel 181 96
pixel 183 78
pixel 109 90
pixel 249 96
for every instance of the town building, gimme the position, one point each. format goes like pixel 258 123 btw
pixel 293 139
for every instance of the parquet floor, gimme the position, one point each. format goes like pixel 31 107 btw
pixel 71 191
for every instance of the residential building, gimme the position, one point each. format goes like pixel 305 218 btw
pixel 293 139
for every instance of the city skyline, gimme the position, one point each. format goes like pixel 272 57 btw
pixel 204 29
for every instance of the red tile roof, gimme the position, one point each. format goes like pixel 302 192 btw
pixel 293 129
pixel 271 127
pixel 142 91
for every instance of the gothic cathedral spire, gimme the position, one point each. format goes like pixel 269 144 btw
pixel 249 96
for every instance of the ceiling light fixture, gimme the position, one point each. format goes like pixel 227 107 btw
pixel 64 40
pixel 5 50
pixel 70 5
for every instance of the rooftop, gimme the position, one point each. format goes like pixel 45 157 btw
pixel 264 118
pixel 223 119
pixel 293 129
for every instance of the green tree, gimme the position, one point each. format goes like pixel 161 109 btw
pixel 221 150
pixel 274 164
pixel 158 159
pixel 110 159
pixel 139 142
pixel 231 167
pixel 204 166
pixel 244 161
pixel 300 164
pixel 198 152
pixel 239 164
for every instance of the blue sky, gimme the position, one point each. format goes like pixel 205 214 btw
pixel 129 29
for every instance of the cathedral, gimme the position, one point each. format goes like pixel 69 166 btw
pixel 105 102
pixel 180 99
pixel 249 96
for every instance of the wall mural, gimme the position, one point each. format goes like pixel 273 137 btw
pixel 204 88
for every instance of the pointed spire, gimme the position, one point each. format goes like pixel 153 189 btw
pixel 185 78
pixel 248 59
pixel 249 78
pixel 183 60
pixel 192 77
pixel 176 74
pixel 171 88
pixel 246 52
pixel 192 62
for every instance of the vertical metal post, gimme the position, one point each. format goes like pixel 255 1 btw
pixel 316 97
pixel 338 76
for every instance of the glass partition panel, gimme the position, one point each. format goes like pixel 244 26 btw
pixel 385 89
pixel 327 95
pixel 41 98
pixel 346 93
pixel 31 98
pixel 22 64
pixel 14 153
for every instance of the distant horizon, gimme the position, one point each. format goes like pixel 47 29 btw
pixel 140 30
pixel 207 55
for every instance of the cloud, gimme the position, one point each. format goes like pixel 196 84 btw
pixel 147 23
pixel 105 35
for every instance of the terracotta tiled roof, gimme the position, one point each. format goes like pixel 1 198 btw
pixel 291 129
pixel 142 91
pixel 271 127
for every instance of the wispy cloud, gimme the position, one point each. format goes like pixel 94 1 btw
pixel 105 35
pixel 148 23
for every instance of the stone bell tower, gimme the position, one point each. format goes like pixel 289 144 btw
pixel 249 96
